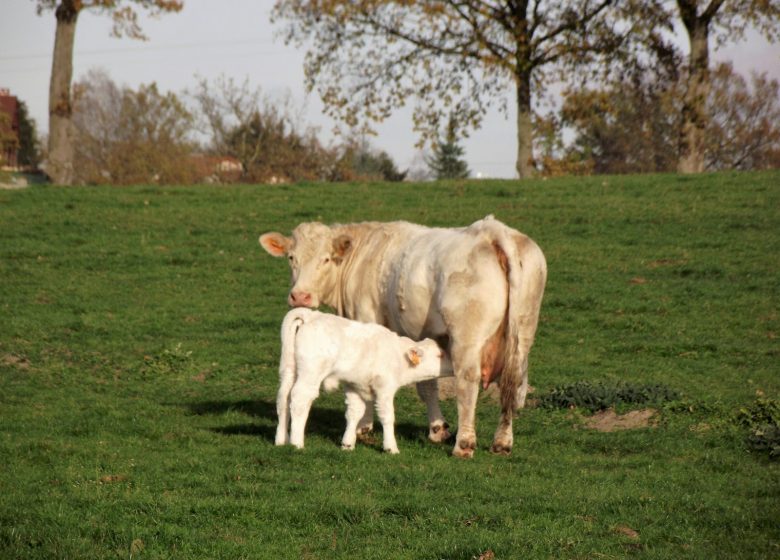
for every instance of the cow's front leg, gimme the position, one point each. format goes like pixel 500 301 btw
pixel 356 408
pixel 438 429
pixel 366 424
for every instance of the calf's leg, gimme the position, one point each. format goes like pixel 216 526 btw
pixel 286 380
pixel 356 409
pixel 300 404
pixel 386 413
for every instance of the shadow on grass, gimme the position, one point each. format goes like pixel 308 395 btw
pixel 325 422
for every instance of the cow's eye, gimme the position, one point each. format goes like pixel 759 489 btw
pixel 326 260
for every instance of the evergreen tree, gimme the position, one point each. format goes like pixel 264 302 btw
pixel 446 162
pixel 29 147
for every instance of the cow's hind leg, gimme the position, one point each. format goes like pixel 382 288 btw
pixel 466 363
pixel 512 397
pixel 503 438
pixel 522 391
pixel 438 429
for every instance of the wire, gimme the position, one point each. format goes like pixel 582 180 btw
pixel 147 49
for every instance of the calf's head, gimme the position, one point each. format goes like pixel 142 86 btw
pixel 315 254
pixel 429 357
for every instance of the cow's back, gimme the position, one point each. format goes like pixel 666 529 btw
pixel 410 278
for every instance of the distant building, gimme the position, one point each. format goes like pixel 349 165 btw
pixel 9 129
pixel 217 168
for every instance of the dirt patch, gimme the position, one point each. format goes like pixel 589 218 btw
pixel 627 531
pixel 610 421
pixel 14 183
pixel 666 262
pixel 15 361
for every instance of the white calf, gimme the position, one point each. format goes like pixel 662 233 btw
pixel 372 362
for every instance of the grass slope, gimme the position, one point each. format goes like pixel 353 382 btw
pixel 139 347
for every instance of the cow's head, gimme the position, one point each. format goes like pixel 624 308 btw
pixel 315 253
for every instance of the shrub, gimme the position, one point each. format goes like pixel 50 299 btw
pixel 762 421
pixel 600 396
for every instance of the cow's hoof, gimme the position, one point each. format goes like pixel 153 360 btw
pixel 393 451
pixel 347 447
pixel 465 449
pixel 501 449
pixel 366 433
pixel 439 433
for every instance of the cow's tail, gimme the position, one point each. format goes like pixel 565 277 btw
pixel 526 275
pixel 290 325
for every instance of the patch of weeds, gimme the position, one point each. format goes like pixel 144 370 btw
pixel 762 421
pixel 173 361
pixel 600 396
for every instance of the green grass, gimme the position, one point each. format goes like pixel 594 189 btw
pixel 139 348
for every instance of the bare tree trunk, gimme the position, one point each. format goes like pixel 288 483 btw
pixel 59 167
pixel 694 110
pixel 525 133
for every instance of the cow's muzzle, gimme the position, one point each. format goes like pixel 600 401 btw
pixel 299 298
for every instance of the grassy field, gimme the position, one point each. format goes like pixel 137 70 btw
pixel 139 348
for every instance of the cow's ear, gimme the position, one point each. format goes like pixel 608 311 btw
pixel 342 245
pixel 275 243
pixel 414 355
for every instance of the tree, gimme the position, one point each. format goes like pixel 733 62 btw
pixel 631 126
pixel 744 127
pixel 124 136
pixel 446 162
pixel 723 21
pixel 9 140
pixel 628 125
pixel 60 157
pixel 359 161
pixel 266 136
pixel 29 145
pixel 369 57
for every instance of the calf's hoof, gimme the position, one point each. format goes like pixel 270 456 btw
pixel 392 450
pixel 439 433
pixel 464 449
pixel 348 447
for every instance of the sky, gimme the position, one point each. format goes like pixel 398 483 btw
pixel 235 39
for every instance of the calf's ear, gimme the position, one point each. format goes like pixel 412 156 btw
pixel 414 355
pixel 342 245
pixel 275 243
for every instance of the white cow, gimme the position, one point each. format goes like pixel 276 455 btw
pixel 370 360
pixel 476 290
